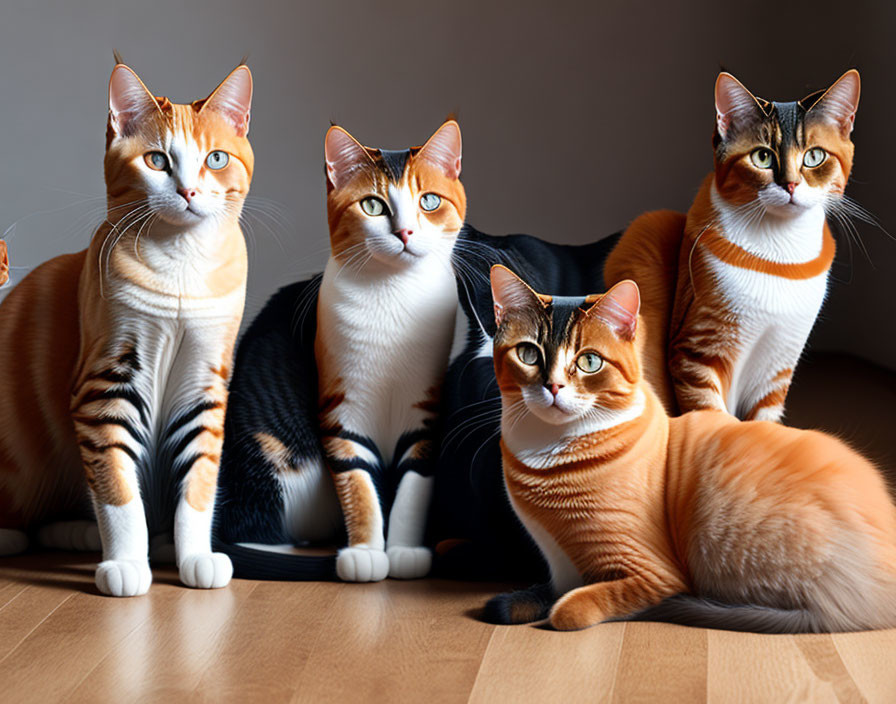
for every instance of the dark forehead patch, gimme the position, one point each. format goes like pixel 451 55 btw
pixel 790 123
pixel 563 308
pixel 394 162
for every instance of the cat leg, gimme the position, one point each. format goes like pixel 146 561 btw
pixel 12 542
pixel 770 405
pixel 521 606
pixel 364 560
pixel 198 431
pixel 408 559
pixel 698 381
pixel 81 536
pixel 109 417
pixel 593 603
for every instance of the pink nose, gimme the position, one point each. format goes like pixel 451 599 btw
pixel 791 187
pixel 187 193
pixel 403 235
pixel 555 388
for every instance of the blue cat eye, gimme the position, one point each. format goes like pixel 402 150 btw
pixel 158 161
pixel 814 157
pixel 528 353
pixel 430 201
pixel 217 160
pixel 373 206
pixel 589 362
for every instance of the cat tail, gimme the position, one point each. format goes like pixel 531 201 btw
pixel 250 562
pixel 687 610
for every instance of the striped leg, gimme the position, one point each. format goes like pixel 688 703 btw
pixel 354 461
pixel 770 405
pixel 698 378
pixel 110 420
pixel 198 434
pixel 408 559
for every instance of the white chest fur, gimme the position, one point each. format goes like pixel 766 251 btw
pixel 387 336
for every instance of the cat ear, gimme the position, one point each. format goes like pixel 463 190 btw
pixel 343 154
pixel 443 149
pixel 840 102
pixel 510 292
pixel 129 100
pixel 735 105
pixel 619 308
pixel 233 99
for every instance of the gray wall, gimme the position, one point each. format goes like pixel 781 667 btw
pixel 576 117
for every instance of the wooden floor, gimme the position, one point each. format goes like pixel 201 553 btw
pixel 60 641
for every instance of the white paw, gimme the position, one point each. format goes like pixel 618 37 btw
pixel 123 577
pixel 408 563
pixel 210 570
pixel 12 542
pixel 361 564
pixel 71 535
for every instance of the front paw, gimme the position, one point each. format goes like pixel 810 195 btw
pixel 575 611
pixel 362 564
pixel 408 563
pixel 123 577
pixel 210 570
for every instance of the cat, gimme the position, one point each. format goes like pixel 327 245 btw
pixel 115 360
pixel 4 263
pixel 472 526
pixel 743 276
pixel 744 525
pixel 381 318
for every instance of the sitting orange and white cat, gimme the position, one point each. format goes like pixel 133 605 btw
pixel 700 519
pixel 732 290
pixel 114 361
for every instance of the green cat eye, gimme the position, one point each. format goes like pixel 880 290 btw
pixel 217 160
pixel 762 158
pixel 814 157
pixel 156 160
pixel 589 362
pixel 430 201
pixel 373 206
pixel 528 353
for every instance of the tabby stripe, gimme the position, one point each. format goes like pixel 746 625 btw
pixel 185 417
pixel 355 438
pixel 96 422
pixel 338 466
pixel 129 395
pixel 407 441
pixel 92 447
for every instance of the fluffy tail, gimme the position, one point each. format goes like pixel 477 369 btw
pixel 257 563
pixel 687 610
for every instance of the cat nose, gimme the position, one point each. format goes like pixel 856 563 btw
pixel 554 388
pixel 790 187
pixel 187 193
pixel 403 235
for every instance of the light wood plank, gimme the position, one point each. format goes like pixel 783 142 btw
pixel 870 659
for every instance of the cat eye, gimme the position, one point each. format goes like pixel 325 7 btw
pixel 217 160
pixel 373 206
pixel 157 161
pixel 814 157
pixel 762 158
pixel 430 201
pixel 528 353
pixel 589 362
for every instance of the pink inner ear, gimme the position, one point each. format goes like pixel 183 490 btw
pixel 619 308
pixel 509 291
pixel 733 102
pixel 343 155
pixel 128 98
pixel 444 149
pixel 841 100
pixel 233 99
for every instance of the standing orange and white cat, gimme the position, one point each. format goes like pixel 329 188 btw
pixel 739 281
pixel 114 361
pixel 700 519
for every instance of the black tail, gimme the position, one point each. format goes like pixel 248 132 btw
pixel 687 610
pixel 252 563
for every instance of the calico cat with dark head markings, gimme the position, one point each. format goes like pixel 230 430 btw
pixel 732 290
pixel 700 519
pixel 384 322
